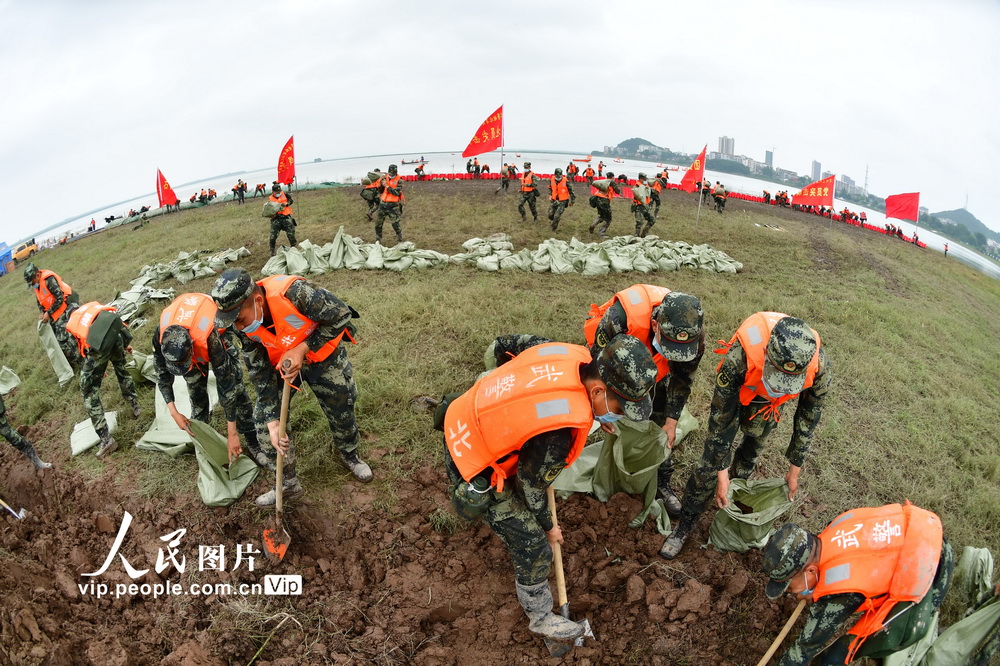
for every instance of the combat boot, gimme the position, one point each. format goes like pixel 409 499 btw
pixel 638 230
pixel 399 236
pixel 670 501
pixel 136 410
pixel 35 460
pixel 593 226
pixel 290 489
pixel 359 468
pixel 534 219
pixel 108 444
pixel 536 600
pixel 675 542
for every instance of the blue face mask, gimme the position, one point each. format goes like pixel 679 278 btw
pixel 805 579
pixel 773 394
pixel 609 416
pixel 256 323
pixel 657 347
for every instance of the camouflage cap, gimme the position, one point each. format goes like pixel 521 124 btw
pixel 276 188
pixel 232 287
pixel 627 368
pixel 30 271
pixel 557 172
pixel 680 320
pixel 176 347
pixel 392 168
pixel 790 348
pixel 527 165
pixel 787 552
pixel 641 176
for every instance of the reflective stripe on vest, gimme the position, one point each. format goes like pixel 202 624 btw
pixel 889 554
pixel 560 191
pixel 754 334
pixel 537 391
pixel 388 197
pixel 291 327
pixel 196 313
pixel 82 319
pixel 638 302
pixel 46 298
pixel 287 210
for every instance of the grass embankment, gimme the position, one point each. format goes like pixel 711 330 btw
pixel 912 337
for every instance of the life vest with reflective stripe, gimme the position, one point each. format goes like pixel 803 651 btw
pixel 291 327
pixel 604 194
pixel 283 200
pixel 560 191
pixel 82 319
pixel 196 313
pixel 537 391
pixel 528 181
pixel 754 334
pixel 46 298
pixel 890 554
pixel 387 196
pixel 638 302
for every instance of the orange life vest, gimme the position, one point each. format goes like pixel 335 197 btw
pixel 394 183
pixel 528 181
pixel 589 172
pixel 657 184
pixel 537 391
pixel 890 554
pixel 282 199
pixel 638 302
pixel 560 191
pixel 291 327
pixel 82 319
pixel 609 194
pixel 46 298
pixel 373 184
pixel 754 334
pixel 196 313
pixel 640 200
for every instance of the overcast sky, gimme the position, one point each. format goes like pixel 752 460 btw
pixel 99 94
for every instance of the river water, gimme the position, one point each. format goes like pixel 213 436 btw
pixel 352 169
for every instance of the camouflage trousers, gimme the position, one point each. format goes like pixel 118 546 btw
pixel 603 220
pixel 91 377
pixel 659 416
pixel 394 212
pixel 66 340
pixel 701 485
pixel 642 214
pixel 556 210
pixel 14 437
pixel 281 223
pixel 654 197
pixel 197 385
pixel 508 516
pixel 528 198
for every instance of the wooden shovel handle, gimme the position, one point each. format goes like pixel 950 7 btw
pixel 781 635
pixel 557 552
pixel 279 474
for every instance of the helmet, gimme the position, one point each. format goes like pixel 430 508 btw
pixel 30 271
pixel 558 172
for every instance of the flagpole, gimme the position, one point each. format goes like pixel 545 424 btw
pixel 503 138
pixel 698 218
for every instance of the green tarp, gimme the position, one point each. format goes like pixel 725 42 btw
pixel 62 368
pixel 747 522
pixel 8 380
pixel 164 435
pixel 85 437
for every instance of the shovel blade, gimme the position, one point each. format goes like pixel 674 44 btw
pixel 276 541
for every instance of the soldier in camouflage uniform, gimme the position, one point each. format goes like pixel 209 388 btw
pixel 369 192
pixel 33 277
pixel 391 205
pixel 529 192
pixel 558 205
pixel 640 206
pixel 20 443
pixel 173 356
pixel 791 349
pixel 282 220
pixel 617 381
pixel 603 206
pixel 107 340
pixel 677 335
pixel 251 309
pixel 792 562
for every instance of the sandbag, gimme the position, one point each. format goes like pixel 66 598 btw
pixel 164 436
pixel 973 576
pixel 736 531
pixel 8 381
pixel 85 437
pixel 219 483
pixel 141 368
pixel 62 368
pixel 602 184
pixel 271 208
pixel 969 641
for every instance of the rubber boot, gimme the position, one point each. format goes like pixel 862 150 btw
pixel 35 460
pixel 675 542
pixel 136 409
pixel 536 600
pixel 108 444
pixel 359 468
pixel 290 489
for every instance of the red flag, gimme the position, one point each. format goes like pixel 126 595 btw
pixel 819 193
pixel 488 137
pixel 164 192
pixel 695 173
pixel 286 162
pixel 903 206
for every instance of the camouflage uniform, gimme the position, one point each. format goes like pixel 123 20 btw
pixel 603 207
pixel 728 417
pixel 281 223
pixel 642 214
pixel 391 209
pixel 529 197
pixel 556 208
pixel 7 432
pixel 109 348
pixel 63 337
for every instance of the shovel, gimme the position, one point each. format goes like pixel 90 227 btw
pixel 557 649
pixel 781 635
pixel 19 515
pixel 276 537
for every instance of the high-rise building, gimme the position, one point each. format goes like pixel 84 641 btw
pixel 816 169
pixel 727 145
pixel 769 158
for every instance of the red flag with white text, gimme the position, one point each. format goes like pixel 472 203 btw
pixel 286 162
pixel 488 137
pixel 695 173
pixel 819 193
pixel 903 206
pixel 164 192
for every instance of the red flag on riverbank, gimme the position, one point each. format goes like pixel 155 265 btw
pixel 286 162
pixel 695 173
pixel 164 192
pixel 903 206
pixel 819 193
pixel 488 137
